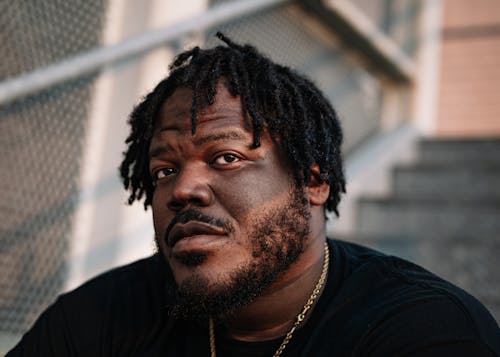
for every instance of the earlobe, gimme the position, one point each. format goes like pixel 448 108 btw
pixel 318 189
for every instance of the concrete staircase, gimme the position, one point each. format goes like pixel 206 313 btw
pixel 444 214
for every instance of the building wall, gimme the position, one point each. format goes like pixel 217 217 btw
pixel 469 95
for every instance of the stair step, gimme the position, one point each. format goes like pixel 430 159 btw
pixel 435 180
pixel 444 214
pixel 427 217
pixel 465 151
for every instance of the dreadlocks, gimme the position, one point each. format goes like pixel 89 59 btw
pixel 273 96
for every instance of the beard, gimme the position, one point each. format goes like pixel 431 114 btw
pixel 277 240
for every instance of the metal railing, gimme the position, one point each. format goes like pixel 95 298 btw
pixel 96 59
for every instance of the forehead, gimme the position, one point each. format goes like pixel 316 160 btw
pixel 175 112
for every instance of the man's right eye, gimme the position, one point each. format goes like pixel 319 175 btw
pixel 163 172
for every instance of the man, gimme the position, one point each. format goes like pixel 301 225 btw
pixel 239 158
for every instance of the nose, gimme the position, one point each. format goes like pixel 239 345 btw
pixel 190 187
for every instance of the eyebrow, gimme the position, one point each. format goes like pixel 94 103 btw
pixel 225 136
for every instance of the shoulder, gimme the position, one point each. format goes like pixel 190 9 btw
pixel 127 293
pixel 118 307
pixel 388 301
pixel 146 275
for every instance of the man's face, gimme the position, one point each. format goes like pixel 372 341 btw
pixel 228 217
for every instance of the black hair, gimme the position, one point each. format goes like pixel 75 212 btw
pixel 274 97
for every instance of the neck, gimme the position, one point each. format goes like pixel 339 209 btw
pixel 268 317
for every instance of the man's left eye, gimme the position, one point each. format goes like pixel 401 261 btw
pixel 226 159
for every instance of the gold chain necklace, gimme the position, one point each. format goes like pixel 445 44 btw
pixel 300 317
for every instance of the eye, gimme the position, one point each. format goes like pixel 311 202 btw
pixel 163 172
pixel 226 159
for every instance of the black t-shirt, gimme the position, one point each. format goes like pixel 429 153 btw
pixel 372 305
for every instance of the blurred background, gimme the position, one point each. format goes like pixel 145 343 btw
pixel 416 84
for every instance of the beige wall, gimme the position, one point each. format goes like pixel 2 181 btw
pixel 469 95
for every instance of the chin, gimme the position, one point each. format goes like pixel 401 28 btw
pixel 196 267
pixel 191 259
pixel 216 294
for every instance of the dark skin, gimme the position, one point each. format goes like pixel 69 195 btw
pixel 217 172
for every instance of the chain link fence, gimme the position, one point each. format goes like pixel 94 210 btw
pixel 41 140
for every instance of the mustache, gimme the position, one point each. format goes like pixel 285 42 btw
pixel 195 215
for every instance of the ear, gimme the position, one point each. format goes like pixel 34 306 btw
pixel 318 189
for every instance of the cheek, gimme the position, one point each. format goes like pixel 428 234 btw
pixel 249 193
pixel 161 215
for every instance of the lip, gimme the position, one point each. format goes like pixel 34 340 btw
pixel 191 230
